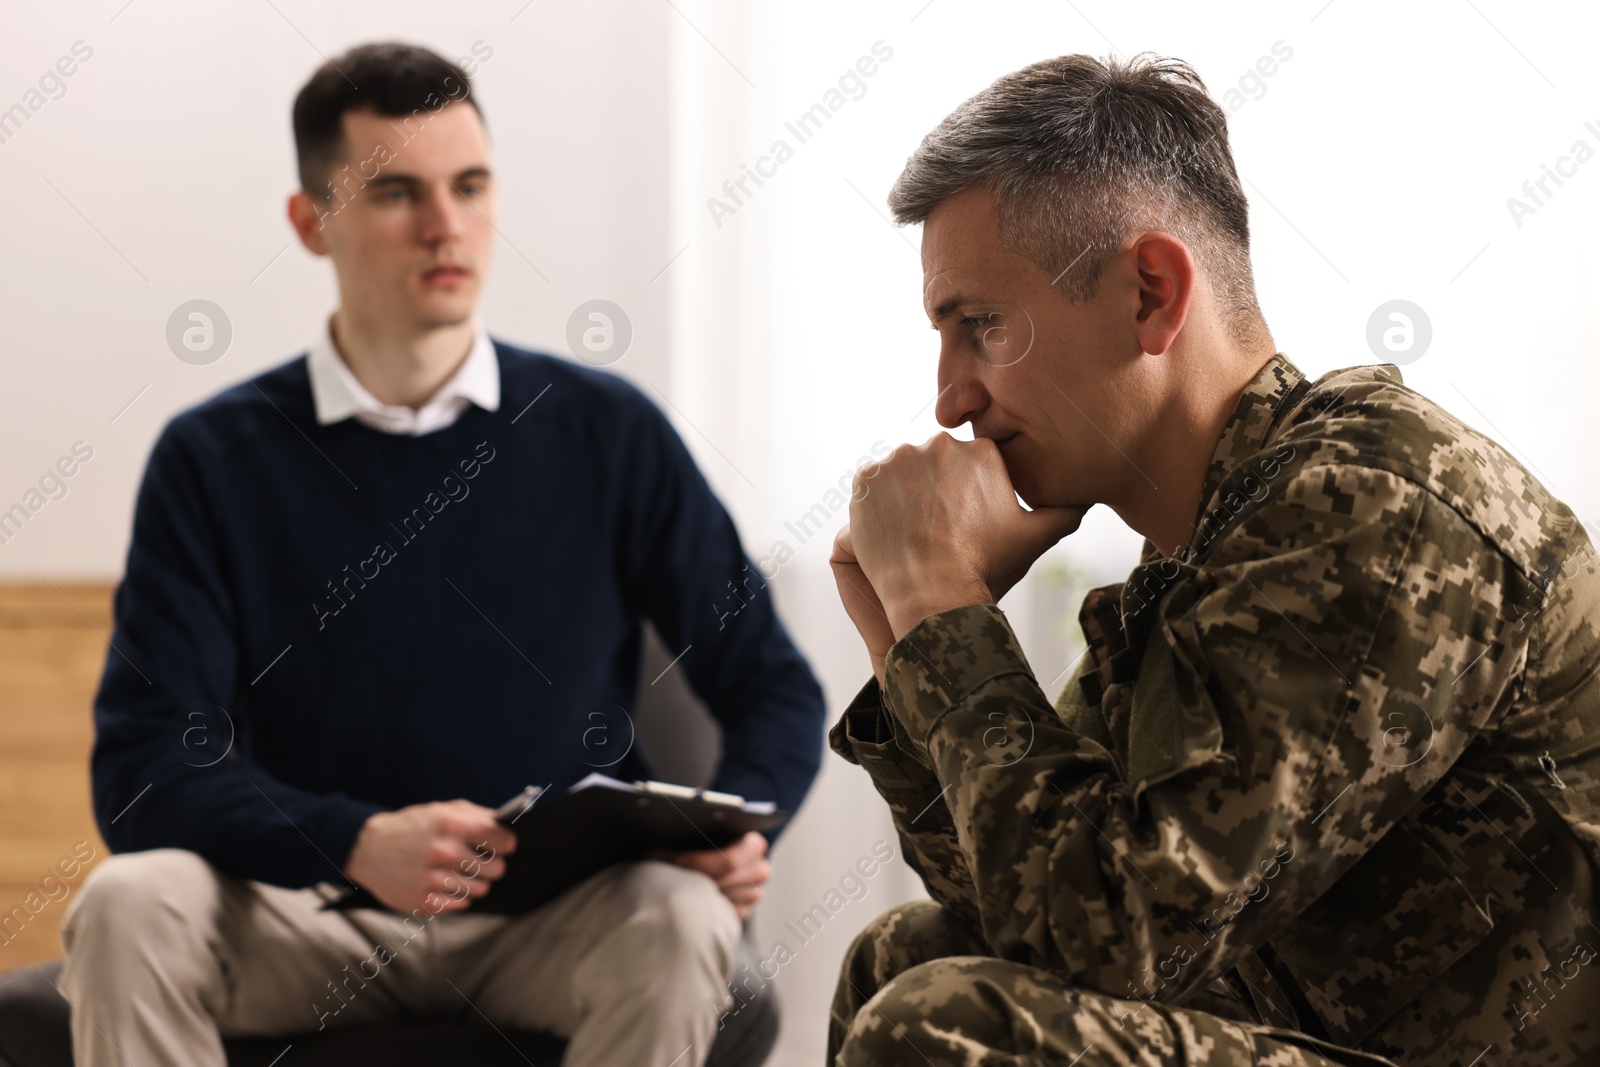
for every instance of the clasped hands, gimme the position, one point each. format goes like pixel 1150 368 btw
pixel 933 527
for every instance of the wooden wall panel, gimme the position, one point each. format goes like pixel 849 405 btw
pixel 52 650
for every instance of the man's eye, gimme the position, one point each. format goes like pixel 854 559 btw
pixel 389 195
pixel 470 188
pixel 977 322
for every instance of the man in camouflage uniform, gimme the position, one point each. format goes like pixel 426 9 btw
pixel 1325 787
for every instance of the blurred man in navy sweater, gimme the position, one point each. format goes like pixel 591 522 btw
pixel 377 590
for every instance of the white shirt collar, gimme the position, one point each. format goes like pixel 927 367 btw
pixel 338 394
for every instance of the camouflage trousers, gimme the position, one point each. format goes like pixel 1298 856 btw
pixel 920 987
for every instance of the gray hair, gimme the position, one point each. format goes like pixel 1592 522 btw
pixel 1080 155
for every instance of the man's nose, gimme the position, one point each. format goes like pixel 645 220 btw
pixel 442 215
pixel 961 397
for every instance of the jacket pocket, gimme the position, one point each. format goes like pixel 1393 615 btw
pixel 1393 925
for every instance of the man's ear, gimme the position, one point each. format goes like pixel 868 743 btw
pixel 306 215
pixel 1166 276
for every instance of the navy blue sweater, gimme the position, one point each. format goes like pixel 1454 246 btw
pixel 321 622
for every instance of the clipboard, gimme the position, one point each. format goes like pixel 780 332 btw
pixel 565 838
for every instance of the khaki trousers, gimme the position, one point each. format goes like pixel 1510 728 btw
pixel 165 956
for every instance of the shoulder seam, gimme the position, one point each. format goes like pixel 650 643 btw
pixel 1412 478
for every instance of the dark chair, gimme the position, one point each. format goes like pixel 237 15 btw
pixel 35 1032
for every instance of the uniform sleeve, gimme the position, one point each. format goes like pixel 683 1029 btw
pixel 864 735
pixel 1299 692
pixel 166 770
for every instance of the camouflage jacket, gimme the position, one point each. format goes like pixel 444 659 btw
pixel 1335 767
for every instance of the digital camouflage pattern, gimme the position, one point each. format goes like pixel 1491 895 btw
pixel 1331 770
pixel 939 1008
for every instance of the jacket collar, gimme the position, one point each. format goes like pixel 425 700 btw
pixel 1116 618
pixel 1274 390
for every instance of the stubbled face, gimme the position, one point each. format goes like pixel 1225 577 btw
pixel 1057 386
pixel 410 227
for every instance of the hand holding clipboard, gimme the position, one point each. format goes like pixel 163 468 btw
pixel 565 838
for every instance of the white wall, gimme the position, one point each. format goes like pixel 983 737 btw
pixel 162 173
pixel 790 339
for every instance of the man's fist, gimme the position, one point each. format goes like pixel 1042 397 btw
pixel 861 601
pixel 942 527
pixel 436 856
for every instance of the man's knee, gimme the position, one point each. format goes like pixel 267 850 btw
pixel 908 916
pixel 139 893
pixel 906 935
pixel 894 1025
pixel 683 909
pixel 946 1010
